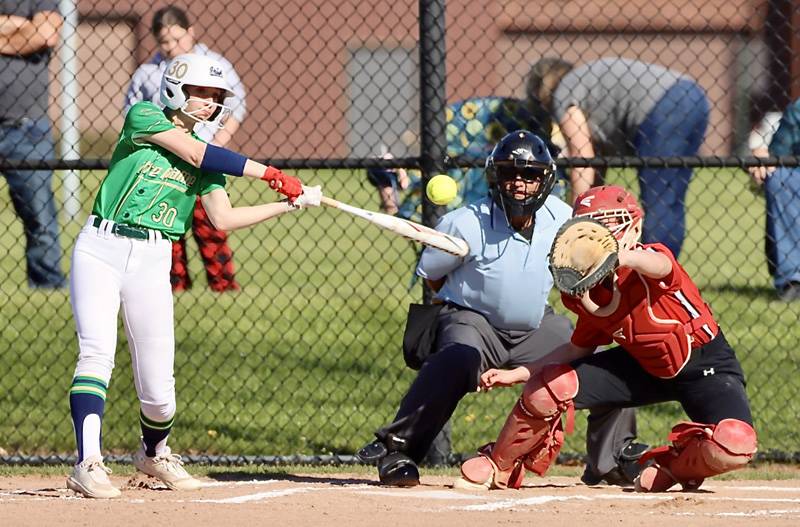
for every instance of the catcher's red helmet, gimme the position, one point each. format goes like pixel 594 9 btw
pixel 616 208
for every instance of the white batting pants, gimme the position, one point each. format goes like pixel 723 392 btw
pixel 108 271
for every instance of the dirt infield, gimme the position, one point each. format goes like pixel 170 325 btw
pixel 356 500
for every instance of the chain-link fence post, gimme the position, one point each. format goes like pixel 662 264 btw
pixel 433 98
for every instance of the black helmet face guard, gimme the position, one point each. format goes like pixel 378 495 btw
pixel 524 156
pixel 522 187
pixel 527 172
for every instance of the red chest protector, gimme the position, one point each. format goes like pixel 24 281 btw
pixel 660 345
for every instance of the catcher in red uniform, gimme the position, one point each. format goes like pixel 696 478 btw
pixel 668 348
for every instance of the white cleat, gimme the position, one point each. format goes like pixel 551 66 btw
pixel 90 479
pixel 168 468
pixel 477 473
pixel 463 483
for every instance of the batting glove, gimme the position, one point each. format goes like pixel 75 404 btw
pixel 310 197
pixel 287 185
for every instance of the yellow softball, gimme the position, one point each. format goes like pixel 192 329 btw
pixel 441 189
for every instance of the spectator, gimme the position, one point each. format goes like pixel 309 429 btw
pixel 28 33
pixel 388 181
pixel 495 309
pixel 175 36
pixel 617 106
pixel 782 192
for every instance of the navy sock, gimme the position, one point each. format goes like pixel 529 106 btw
pixel 153 433
pixel 87 397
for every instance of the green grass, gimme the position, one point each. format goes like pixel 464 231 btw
pixel 306 358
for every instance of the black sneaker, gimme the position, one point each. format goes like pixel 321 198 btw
pixel 628 464
pixel 372 453
pixel 590 478
pixel 624 473
pixel 617 477
pixel 398 470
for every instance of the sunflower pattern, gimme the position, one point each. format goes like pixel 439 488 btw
pixel 474 126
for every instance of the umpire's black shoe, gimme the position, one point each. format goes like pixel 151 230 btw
pixel 398 470
pixel 616 476
pixel 372 453
pixel 624 473
pixel 629 461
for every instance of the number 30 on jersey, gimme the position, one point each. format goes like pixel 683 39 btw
pixel 165 215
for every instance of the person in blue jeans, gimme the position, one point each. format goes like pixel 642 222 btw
pixel 782 192
pixel 618 106
pixel 30 31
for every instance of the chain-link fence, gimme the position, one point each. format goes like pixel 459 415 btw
pixel 289 344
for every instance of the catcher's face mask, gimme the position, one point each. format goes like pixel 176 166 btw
pixel 616 208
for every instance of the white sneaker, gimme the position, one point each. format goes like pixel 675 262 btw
pixel 168 468
pixel 90 478
pixel 464 484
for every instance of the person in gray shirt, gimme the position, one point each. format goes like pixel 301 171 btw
pixel 28 31
pixel 494 311
pixel 618 106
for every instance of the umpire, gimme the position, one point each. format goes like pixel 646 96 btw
pixel 494 313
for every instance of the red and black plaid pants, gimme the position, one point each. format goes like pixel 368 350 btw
pixel 215 251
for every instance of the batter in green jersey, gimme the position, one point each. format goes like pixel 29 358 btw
pixel 147 185
pixel 122 259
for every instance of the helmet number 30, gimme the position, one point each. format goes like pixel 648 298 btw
pixel 178 69
pixel 165 215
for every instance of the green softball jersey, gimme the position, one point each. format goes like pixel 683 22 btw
pixel 149 186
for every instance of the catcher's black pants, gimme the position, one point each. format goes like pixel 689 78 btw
pixel 467 346
pixel 711 386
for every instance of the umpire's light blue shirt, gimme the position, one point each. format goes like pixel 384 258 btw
pixel 503 276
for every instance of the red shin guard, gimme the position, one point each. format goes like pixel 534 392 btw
pixel 698 451
pixel 532 434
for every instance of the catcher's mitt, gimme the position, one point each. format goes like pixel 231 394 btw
pixel 584 252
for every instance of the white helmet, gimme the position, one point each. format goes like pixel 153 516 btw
pixel 194 70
